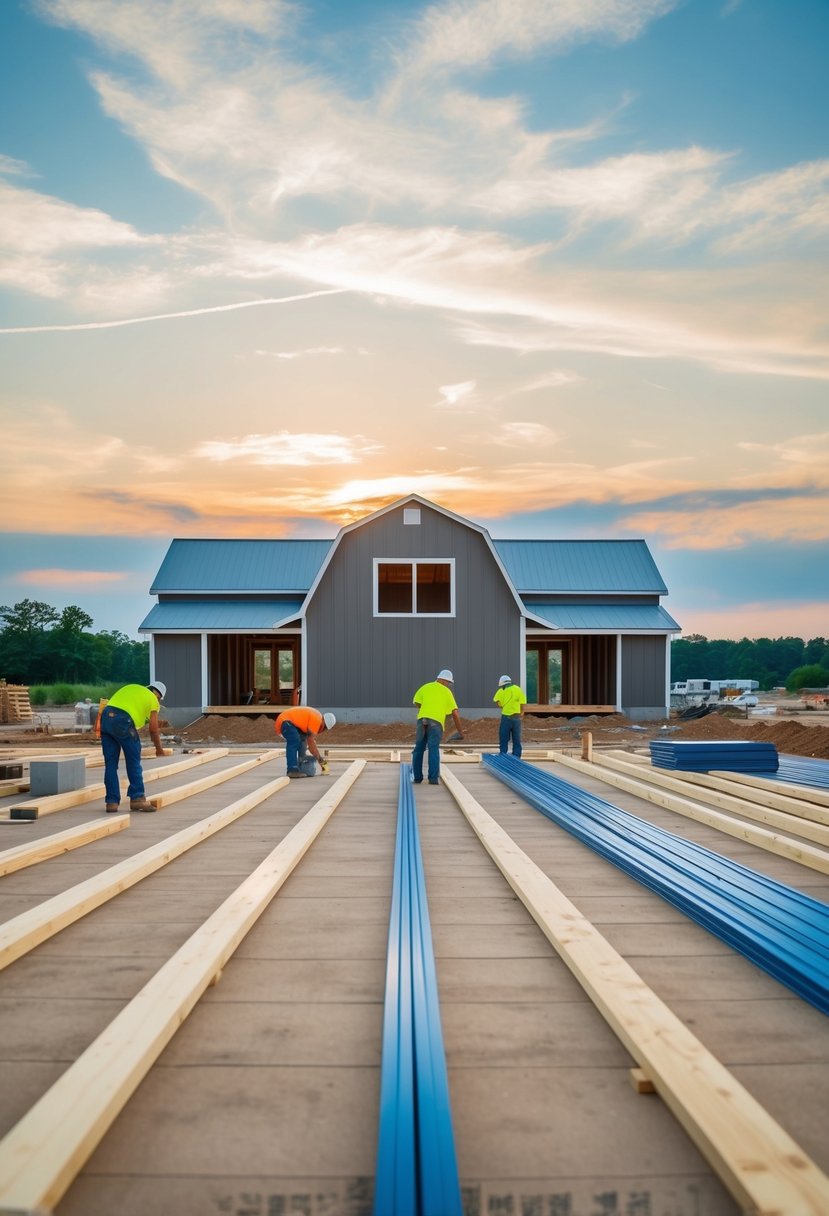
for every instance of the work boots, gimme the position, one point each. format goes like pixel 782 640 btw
pixel 141 804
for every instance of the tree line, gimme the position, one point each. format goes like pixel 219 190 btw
pixel 773 662
pixel 40 645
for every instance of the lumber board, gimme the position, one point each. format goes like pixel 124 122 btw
pixel 762 1166
pixel 764 797
pixel 806 792
pixel 816 832
pixel 42 1154
pixel 33 851
pixel 206 783
pixel 22 933
pixel 773 842
pixel 781 802
pixel 35 807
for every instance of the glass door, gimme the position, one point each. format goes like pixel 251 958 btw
pixel 545 662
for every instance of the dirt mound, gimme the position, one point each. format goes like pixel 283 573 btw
pixel 790 737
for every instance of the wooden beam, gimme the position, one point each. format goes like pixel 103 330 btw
pixel 763 1167
pixel 206 783
pixel 35 807
pixel 783 846
pixel 33 851
pixel 806 792
pixel 816 832
pixel 22 933
pixel 587 710
pixel 41 1155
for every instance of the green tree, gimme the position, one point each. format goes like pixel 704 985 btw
pixel 810 676
pixel 23 640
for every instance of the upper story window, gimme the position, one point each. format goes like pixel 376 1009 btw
pixel 421 587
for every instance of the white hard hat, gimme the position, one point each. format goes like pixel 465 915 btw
pixel 504 680
pixel 160 688
pixel 329 721
pixel 446 674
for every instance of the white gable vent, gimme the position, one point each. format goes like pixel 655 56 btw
pixel 411 515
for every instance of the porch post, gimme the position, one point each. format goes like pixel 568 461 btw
pixel 619 672
pixel 204 684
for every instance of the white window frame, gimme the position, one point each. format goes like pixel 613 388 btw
pixel 413 562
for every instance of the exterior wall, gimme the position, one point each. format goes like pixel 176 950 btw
pixel 366 668
pixel 644 678
pixel 178 664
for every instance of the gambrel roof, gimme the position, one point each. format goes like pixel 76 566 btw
pixel 282 575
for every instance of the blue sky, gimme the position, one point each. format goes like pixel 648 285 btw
pixel 558 265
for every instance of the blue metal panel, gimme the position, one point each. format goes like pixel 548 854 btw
pixel 225 615
pixel 803 770
pixel 580 565
pixel 781 930
pixel 604 617
pixel 240 565
pixel 417 1170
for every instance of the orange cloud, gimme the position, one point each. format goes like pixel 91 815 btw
pixel 56 577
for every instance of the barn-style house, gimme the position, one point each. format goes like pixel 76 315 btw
pixel 357 623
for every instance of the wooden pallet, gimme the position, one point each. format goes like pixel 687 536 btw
pixel 14 703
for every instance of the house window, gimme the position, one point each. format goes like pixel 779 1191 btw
pixel 414 588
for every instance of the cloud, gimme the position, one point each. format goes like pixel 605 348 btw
pixel 452 394
pixel 56 577
pixel 467 33
pixel 795 518
pixel 520 434
pixel 39 233
pixel 301 354
pixel 285 448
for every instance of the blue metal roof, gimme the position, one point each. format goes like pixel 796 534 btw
pixel 580 566
pixel 240 565
pixel 604 617
pixel 239 615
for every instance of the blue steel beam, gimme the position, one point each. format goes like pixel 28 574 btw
pixel 417 1172
pixel 781 930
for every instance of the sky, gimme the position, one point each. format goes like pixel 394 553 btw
pixel 559 266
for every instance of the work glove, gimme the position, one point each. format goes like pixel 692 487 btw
pixel 323 767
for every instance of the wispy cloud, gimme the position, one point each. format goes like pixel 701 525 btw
pixel 452 394
pixel 300 354
pixel 56 577
pixel 285 448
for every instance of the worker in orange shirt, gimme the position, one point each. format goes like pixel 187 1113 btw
pixel 299 727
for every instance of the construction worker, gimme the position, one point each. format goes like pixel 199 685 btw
pixel 512 700
pixel 127 711
pixel 434 701
pixel 299 727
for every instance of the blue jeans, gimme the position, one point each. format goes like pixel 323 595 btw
pixel 510 728
pixel 295 747
pixel 118 734
pixel 428 736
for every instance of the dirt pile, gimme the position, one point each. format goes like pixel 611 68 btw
pixel 612 730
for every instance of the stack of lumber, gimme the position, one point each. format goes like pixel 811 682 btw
pixel 737 756
pixel 14 703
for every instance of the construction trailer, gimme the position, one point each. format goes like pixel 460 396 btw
pixel 356 624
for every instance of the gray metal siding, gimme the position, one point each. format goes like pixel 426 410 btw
pixel 178 665
pixel 358 660
pixel 643 672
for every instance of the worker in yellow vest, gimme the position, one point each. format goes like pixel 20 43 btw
pixel 435 701
pixel 512 700
pixel 125 714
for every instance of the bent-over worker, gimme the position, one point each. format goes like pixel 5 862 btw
pixel 434 701
pixel 125 714
pixel 299 727
pixel 512 700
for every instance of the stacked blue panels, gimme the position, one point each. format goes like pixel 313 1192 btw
pixel 804 770
pixel 736 756
pixel 775 926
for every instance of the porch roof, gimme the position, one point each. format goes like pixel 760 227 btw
pixel 604 618
pixel 228 616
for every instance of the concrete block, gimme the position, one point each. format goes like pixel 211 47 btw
pixel 56 776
